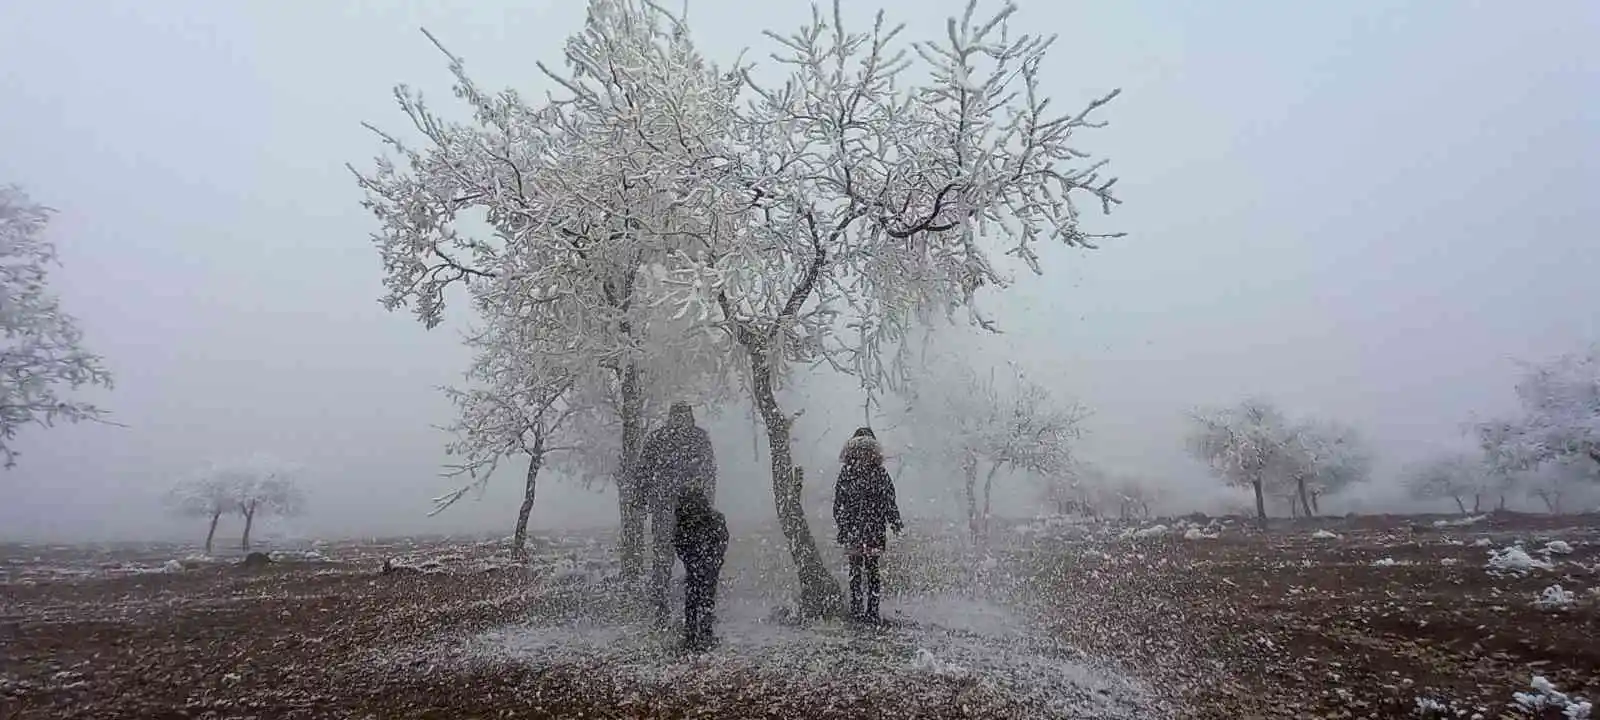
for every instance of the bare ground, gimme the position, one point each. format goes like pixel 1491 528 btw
pixel 1250 624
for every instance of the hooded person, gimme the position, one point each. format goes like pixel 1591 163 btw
pixel 675 458
pixel 864 508
pixel 701 540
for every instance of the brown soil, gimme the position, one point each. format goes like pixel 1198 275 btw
pixel 1252 625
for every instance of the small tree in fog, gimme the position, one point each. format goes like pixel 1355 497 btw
pixel 1560 421
pixel 1320 458
pixel 1458 477
pixel 1560 480
pixel 41 351
pixel 207 496
pixel 988 428
pixel 1242 444
pixel 262 486
pixel 515 405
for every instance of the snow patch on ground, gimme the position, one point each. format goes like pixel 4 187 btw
pixel 1545 696
pixel 950 637
pixel 1324 535
pixel 1462 522
pixel 1513 560
pixel 1556 547
pixel 1555 598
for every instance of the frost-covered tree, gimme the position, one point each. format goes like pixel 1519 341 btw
pixel 262 486
pixel 206 495
pixel 1243 444
pixel 42 353
pixel 1459 477
pixel 561 252
pixel 988 428
pixel 864 191
pixel 1559 481
pixel 513 405
pixel 1560 419
pixel 1321 457
pixel 813 220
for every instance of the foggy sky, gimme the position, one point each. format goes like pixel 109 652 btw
pixel 1364 210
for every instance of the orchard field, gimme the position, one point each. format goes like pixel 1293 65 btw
pixel 1207 618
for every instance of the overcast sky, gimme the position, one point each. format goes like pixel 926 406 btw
pixel 1364 210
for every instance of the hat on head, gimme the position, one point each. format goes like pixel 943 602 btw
pixel 681 413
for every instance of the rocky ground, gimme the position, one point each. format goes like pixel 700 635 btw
pixel 1388 617
pixel 1348 618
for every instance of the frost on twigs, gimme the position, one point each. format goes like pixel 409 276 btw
pixel 659 208
pixel 1560 421
pixel 40 344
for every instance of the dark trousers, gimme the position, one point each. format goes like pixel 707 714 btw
pixel 865 585
pixel 700 602
pixel 663 526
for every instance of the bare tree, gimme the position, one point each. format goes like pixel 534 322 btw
pixel 991 428
pixel 41 353
pixel 515 406
pixel 1459 477
pixel 1556 439
pixel 564 256
pixel 206 495
pixel 1242 444
pixel 812 221
pixel 1319 458
pixel 262 486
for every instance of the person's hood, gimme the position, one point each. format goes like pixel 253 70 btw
pixel 863 450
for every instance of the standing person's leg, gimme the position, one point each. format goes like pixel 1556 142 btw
pixel 856 561
pixel 662 524
pixel 874 586
pixel 708 611
pixel 693 605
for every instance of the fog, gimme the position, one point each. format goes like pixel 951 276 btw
pixel 1365 211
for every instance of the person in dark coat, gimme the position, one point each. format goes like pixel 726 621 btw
pixel 702 542
pixel 674 458
pixel 864 508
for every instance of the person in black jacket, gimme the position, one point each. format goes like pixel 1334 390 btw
pixel 701 541
pixel 864 508
pixel 675 458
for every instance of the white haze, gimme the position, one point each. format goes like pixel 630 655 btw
pixel 1363 210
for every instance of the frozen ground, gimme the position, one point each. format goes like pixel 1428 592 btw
pixel 955 650
pixel 1059 618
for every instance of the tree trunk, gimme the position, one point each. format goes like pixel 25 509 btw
pixel 1305 497
pixel 1502 501
pixel 1316 505
pixel 819 590
pixel 536 458
pixel 1461 505
pixel 969 470
pixel 249 519
pixel 630 499
pixel 1261 502
pixel 212 532
pixel 1477 502
pixel 1552 501
pixel 988 488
